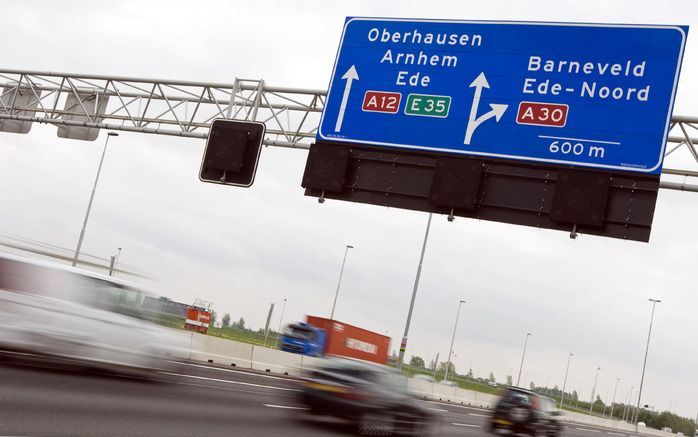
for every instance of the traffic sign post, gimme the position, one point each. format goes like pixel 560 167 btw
pixel 232 152
pixel 591 95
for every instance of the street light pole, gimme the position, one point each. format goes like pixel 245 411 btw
pixel 339 283
pixel 111 265
pixel 92 196
pixel 436 365
pixel 593 390
pixel 564 383
pixel 453 337
pixel 518 379
pixel 644 364
pixel 281 319
pixel 613 402
pixel 403 343
pixel 266 327
pixel 118 255
pixel 114 262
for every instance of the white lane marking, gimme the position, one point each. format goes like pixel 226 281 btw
pixel 466 424
pixel 467 407
pixel 19 353
pixel 230 382
pixel 236 390
pixel 437 409
pixel 615 433
pixel 478 415
pixel 285 407
pixel 588 430
pixel 236 371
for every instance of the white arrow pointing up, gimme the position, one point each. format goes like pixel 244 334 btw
pixel 479 83
pixel 497 110
pixel 349 76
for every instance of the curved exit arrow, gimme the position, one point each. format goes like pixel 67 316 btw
pixel 349 76
pixel 497 109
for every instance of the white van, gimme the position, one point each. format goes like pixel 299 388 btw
pixel 51 309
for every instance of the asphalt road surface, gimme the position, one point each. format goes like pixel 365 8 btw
pixel 40 398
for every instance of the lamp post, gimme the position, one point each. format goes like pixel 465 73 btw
pixel 92 197
pixel 453 337
pixel 111 264
pixel 564 383
pixel 644 364
pixel 518 380
pixel 281 319
pixel 114 262
pixel 593 391
pixel 118 255
pixel 436 365
pixel 403 343
pixel 339 283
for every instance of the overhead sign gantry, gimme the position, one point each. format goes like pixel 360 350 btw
pixel 518 183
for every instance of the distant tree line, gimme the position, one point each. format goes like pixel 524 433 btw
pixel 665 418
pixel 417 362
pixel 240 324
pixel 621 411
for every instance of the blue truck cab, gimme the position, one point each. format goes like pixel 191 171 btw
pixel 302 338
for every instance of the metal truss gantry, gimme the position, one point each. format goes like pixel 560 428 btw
pixel 80 105
pixel 83 104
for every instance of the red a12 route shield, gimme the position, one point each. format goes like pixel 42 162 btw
pixel 381 101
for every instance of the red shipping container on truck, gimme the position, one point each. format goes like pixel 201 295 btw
pixel 345 340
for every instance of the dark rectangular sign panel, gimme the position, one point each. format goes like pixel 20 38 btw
pixel 618 205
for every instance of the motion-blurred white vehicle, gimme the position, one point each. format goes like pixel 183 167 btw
pixel 55 310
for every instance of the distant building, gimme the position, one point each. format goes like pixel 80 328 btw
pixel 166 306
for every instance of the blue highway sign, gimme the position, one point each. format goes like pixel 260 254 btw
pixel 593 95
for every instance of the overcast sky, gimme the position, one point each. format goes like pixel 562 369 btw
pixel 245 248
